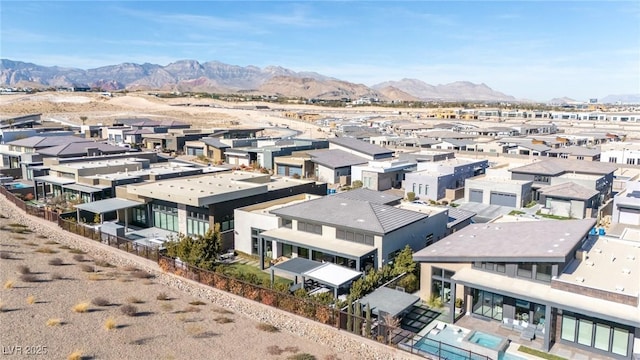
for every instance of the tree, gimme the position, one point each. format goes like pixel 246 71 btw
pixel 83 119
pixel 201 251
pixel 404 262
pixel 357 184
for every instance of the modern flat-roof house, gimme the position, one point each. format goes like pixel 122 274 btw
pixel 576 153
pixel 265 151
pixel 426 156
pixel 173 139
pixel 432 179
pixel 192 205
pixel 382 175
pixel 620 153
pixel 549 280
pixel 590 174
pixel 211 147
pixel 358 230
pixel 569 199
pixel 497 188
pixel 360 148
pixel 626 205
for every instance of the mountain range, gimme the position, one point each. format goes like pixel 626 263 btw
pixel 217 77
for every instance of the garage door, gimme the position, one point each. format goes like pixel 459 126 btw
pixel 629 216
pixel 475 195
pixel 559 207
pixel 504 199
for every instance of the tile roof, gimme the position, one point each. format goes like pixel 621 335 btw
pixel 372 196
pixel 81 149
pixel 568 190
pixel 350 213
pixel 334 158
pixel 576 151
pixel 38 142
pixel 559 166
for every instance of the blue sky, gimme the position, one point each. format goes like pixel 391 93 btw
pixel 534 50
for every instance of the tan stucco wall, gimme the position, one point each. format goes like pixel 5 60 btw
pixel 425 277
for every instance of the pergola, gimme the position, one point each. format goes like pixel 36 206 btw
pixel 108 205
pixel 332 275
pixel 390 301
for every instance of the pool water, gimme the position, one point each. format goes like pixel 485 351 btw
pixel 485 340
pixel 19 185
pixel 505 356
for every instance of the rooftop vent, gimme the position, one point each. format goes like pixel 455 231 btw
pixel 579 279
pixel 626 271
pixel 619 288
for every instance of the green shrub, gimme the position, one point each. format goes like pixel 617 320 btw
pixel 411 196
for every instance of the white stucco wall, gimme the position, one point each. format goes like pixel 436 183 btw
pixel 244 221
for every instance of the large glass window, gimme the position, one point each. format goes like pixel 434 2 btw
pixel 255 239
pixel 525 270
pixel 620 342
pixel 165 217
pixel 522 310
pixel 603 335
pixel 568 328
pixel 543 272
pixel 585 332
pixel 197 223
pixel 592 333
pixel 487 304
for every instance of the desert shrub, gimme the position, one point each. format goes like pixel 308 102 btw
pixel 197 302
pixel 77 252
pixel 220 310
pixel 78 257
pixel 56 262
pixel 5 255
pixel 130 268
pixel 96 277
pixel 29 243
pixel 162 296
pixel 191 309
pixel 45 250
pixel 129 310
pixel 54 322
pixel 49 242
pixel 86 268
pixel 40 236
pixel 100 301
pixel 28 278
pixel 267 327
pixel 24 269
pixel 110 324
pixel 82 307
pixel 141 274
pixel 31 299
pixel 223 320
pixel 76 355
pixel 274 350
pixel 8 284
pixel 102 263
pixel 56 276
pixel 303 356
pixel 166 307
pixel 134 300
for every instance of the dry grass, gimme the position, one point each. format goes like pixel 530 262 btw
pixel 56 276
pixel 223 320
pixel 147 282
pixel 56 262
pixel 110 324
pixel 277 350
pixel 220 310
pixel 65 247
pixel 46 250
pixel 134 300
pixel 2 307
pixel 303 356
pixel 166 307
pixel 130 268
pixel 102 263
pixel 194 329
pixel 197 303
pixel 162 296
pixel 190 309
pixel 82 307
pixel 129 310
pixel 76 355
pixel 267 327
pixel 8 284
pixel 54 322
pixel 77 252
pixel 49 242
pixel 27 243
pixel 96 277
pixel 24 269
pixel 31 299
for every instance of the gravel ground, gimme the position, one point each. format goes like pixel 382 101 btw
pixel 159 324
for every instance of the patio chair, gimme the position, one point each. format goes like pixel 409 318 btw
pixel 528 333
pixel 507 323
pixel 440 325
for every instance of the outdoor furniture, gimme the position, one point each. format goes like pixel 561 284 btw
pixel 440 325
pixel 528 333
pixel 507 323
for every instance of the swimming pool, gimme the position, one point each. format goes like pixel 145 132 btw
pixel 19 186
pixel 487 340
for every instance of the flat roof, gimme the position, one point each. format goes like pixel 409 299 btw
pixel 318 242
pixel 550 240
pixel 54 180
pixel 360 146
pixel 83 188
pixel 543 293
pixel 393 302
pixel 600 272
pixel 332 274
pixel 108 205
pixel 297 265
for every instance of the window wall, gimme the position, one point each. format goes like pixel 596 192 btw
pixel 594 333
pixel 354 236
pixel 487 304
pixel 165 217
pixel 197 223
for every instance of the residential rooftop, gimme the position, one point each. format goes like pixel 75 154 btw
pixel 554 167
pixel 372 196
pixel 334 158
pixel 360 146
pixel 549 240
pixel 568 190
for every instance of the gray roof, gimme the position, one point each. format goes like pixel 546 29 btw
pixel 215 142
pixel 549 240
pixel 81 149
pixel 372 196
pixel 39 142
pixel 389 300
pixel 334 158
pixel 532 146
pixel 360 146
pixel 456 216
pixel 576 151
pixel 568 190
pixel 354 214
pixel 108 205
pixel 459 142
pixel 297 265
pixel 420 141
pixel 555 167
